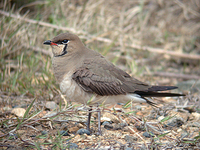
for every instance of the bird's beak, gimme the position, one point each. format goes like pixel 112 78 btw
pixel 48 42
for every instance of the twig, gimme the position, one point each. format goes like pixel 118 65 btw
pixel 39 22
pixel 162 51
pixel 106 40
pixel 53 26
pixel 6 145
pixel 174 75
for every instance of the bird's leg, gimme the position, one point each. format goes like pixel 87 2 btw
pixel 99 122
pixel 89 117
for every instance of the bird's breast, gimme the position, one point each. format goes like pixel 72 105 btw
pixel 72 90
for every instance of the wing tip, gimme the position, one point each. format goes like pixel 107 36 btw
pixel 162 88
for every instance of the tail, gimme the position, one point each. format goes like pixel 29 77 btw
pixel 153 92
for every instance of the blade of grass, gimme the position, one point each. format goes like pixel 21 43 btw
pixel 167 118
pixel 25 114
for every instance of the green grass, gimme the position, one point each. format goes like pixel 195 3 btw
pixel 26 76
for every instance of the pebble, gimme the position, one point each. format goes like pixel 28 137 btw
pixel 175 122
pixel 112 117
pixel 19 112
pixel 44 132
pixel 179 130
pixel 83 131
pixel 72 146
pixel 119 126
pixel 123 124
pixel 130 139
pixel 139 127
pixel 64 133
pixel 106 123
pixel 146 134
pixel 196 115
pixel 120 103
pixel 108 126
pixel 51 105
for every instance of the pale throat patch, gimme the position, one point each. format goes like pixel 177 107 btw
pixel 57 49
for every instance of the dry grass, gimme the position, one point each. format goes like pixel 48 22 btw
pixel 118 29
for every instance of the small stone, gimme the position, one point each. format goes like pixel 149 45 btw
pixel 120 103
pixel 179 130
pixel 112 117
pixel 148 135
pixel 108 126
pixel 123 124
pixel 83 131
pixel 175 122
pixel 19 112
pixel 51 105
pixel 196 115
pixel 72 146
pixel 130 139
pixel 64 133
pixel 106 122
pixel 44 132
pixel 139 127
pixel 118 126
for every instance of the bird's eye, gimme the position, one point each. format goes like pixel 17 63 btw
pixel 65 41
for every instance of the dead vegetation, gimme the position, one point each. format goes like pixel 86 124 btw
pixel 145 38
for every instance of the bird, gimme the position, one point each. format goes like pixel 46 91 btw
pixel 84 75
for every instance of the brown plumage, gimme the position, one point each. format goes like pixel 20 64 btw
pixel 83 73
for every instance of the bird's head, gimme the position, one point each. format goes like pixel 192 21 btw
pixel 65 44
